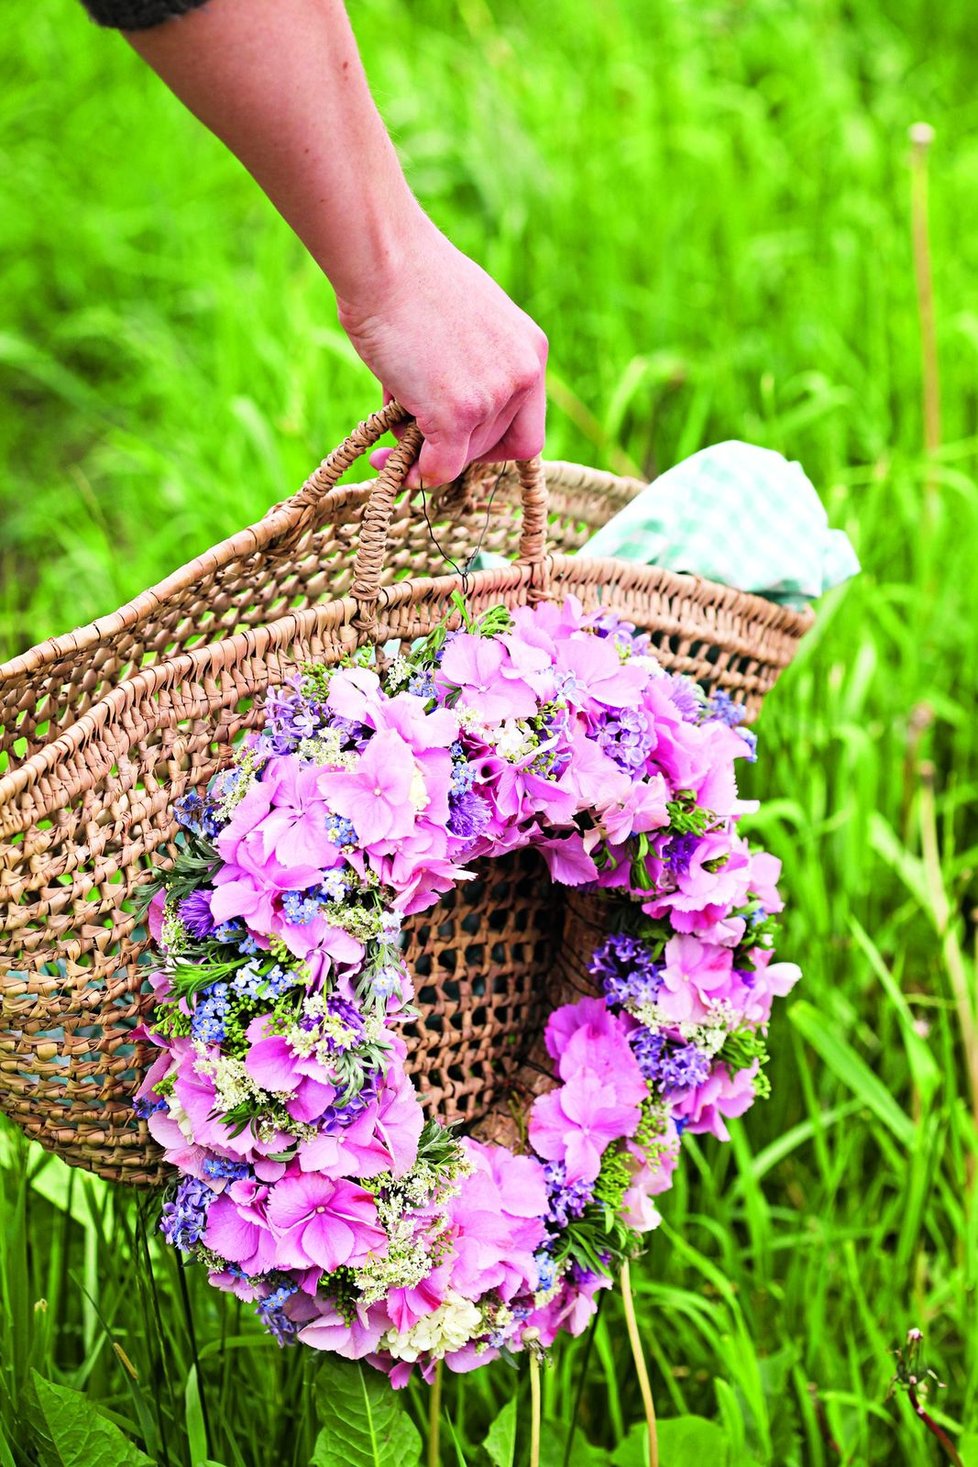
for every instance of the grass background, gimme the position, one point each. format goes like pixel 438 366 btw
pixel 707 207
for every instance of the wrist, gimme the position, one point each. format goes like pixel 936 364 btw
pixel 385 249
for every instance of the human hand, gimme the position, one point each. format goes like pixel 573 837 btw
pixel 457 353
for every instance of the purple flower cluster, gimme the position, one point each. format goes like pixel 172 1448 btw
pixel 624 634
pixel 290 718
pixel 668 1066
pixel 218 1169
pixel 356 735
pixel 686 697
pixel 546 1270
pixel 251 982
pixel 626 969
pixel 468 814
pixel 195 913
pixel 197 814
pixel 627 737
pixel 565 1200
pixel 210 1012
pixel 185 1217
pixel 271 1312
pixel 341 1027
pixel 722 707
pixel 679 851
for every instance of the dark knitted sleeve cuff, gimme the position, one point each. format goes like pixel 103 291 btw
pixel 137 15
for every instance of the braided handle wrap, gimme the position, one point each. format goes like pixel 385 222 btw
pixel 303 506
pixel 375 524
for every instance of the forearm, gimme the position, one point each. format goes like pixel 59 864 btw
pixel 281 83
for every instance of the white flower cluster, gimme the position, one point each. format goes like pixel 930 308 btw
pixel 418 793
pixel 452 1325
pixel 399 670
pixel 324 749
pixel 707 1034
pixel 173 935
pixel 407 1261
pixel 514 740
pixel 233 784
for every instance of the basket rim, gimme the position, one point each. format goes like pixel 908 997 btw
pixel 276 523
pixel 339 614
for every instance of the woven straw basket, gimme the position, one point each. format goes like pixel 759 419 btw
pixel 103 729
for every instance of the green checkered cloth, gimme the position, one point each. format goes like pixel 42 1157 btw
pixel 737 514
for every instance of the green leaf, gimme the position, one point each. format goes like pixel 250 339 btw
pixel 968 1448
pixel 924 1068
pixel 500 1442
pixel 194 1416
pixel 684 1441
pixel 68 1431
pixel 364 1422
pixel 553 1448
pixel 852 1070
pixel 6 1456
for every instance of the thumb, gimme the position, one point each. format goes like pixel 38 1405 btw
pixel 443 457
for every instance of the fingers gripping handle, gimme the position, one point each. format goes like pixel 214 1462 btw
pixel 375 524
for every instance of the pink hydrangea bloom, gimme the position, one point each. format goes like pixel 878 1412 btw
pixel 323 1223
pixel 702 897
pixel 237 1234
pixel 577 1121
pixel 595 676
pixel 355 693
pixel 606 1053
pixel 484 671
pixel 765 871
pixel 424 732
pixel 383 1137
pixel 591 1014
pixel 274 1065
pixel 154 915
pixel 497 1222
pixel 516 793
pixel 406 1306
pixel 567 860
pixel 720 1097
pixel 767 982
pixel 377 793
pixel 353 1337
pixel 196 1097
pixel 694 974
pixel 595 780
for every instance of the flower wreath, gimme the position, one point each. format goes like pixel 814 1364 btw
pixel 311 1182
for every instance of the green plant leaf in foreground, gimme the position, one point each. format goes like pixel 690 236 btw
pixel 363 1422
pixel 684 1441
pixel 68 1431
pixel 553 1447
pixel 500 1442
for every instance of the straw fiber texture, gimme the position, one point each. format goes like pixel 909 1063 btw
pixel 102 730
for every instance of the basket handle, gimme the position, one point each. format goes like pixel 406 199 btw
pixel 375 524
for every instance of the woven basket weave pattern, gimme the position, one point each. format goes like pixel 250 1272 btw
pixel 104 729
